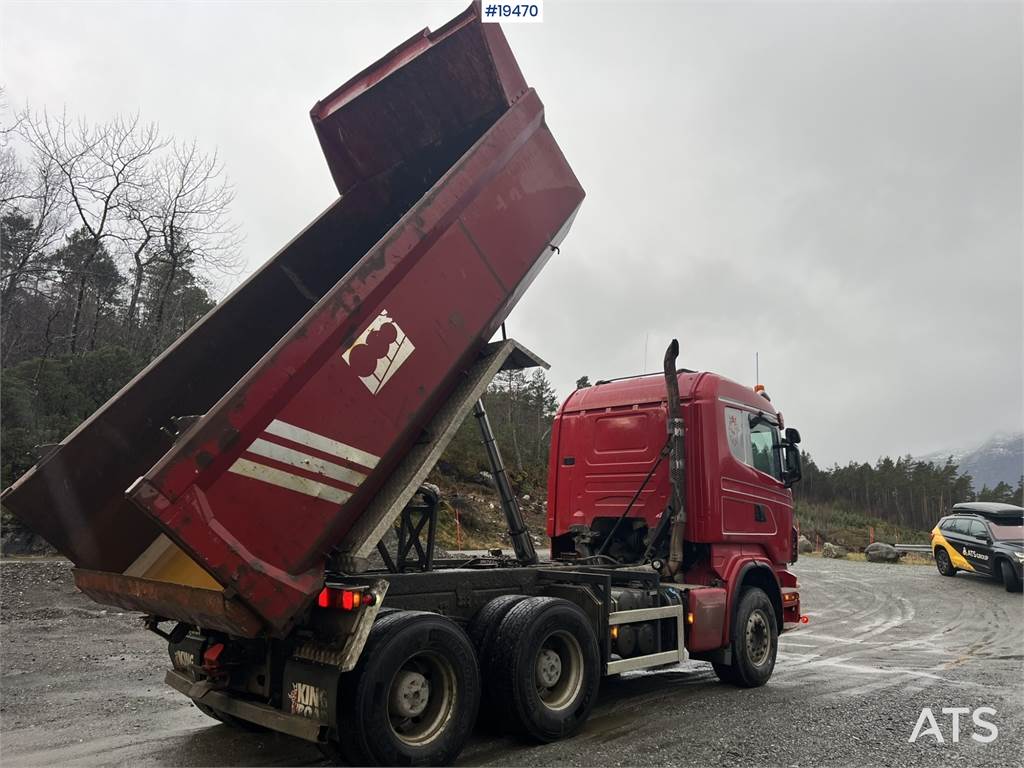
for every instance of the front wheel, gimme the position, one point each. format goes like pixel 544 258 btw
pixel 942 562
pixel 755 642
pixel 1010 578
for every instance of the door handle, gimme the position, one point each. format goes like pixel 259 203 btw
pixel 759 515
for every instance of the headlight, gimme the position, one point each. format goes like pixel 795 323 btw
pixel 1019 556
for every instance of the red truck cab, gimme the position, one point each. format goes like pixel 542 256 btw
pixel 739 466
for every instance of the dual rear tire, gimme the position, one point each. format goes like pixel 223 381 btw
pixel 414 696
pixel 542 667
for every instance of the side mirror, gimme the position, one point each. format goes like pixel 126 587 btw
pixel 792 468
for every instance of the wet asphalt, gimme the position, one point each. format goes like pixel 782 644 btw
pixel 82 685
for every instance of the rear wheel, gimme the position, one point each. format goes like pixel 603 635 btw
pixel 413 697
pixel 1010 578
pixel 943 563
pixel 755 642
pixel 544 669
pixel 482 631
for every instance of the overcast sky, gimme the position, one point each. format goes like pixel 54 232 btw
pixel 835 186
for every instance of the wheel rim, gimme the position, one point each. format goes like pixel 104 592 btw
pixel 943 560
pixel 558 670
pixel 421 698
pixel 759 638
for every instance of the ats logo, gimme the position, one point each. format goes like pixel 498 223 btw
pixel 379 352
pixel 975 554
pixel 309 701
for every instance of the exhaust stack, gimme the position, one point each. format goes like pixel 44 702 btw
pixel 677 464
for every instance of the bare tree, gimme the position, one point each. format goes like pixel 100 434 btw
pixel 102 169
pixel 192 203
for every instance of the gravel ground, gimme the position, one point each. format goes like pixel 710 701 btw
pixel 83 686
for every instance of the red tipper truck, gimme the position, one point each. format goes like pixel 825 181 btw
pixel 237 491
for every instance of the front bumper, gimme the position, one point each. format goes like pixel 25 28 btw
pixel 261 714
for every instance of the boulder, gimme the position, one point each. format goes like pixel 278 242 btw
pixel 881 553
pixel 833 551
pixel 483 478
pixel 804 545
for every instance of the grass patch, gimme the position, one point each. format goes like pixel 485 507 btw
pixel 851 529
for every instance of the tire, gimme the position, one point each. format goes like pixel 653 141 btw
pixel 482 630
pixel 1010 578
pixel 484 626
pixel 942 562
pixel 412 698
pixel 725 672
pixel 544 669
pixel 754 639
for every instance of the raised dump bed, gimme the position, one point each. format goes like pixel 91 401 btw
pixel 312 381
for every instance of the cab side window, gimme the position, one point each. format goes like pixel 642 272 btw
pixel 753 441
pixel 764 440
pixel 961 526
pixel 737 430
pixel 978 529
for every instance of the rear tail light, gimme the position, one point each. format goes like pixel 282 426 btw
pixel 344 599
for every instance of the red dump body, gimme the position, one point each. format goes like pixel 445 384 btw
pixel 315 377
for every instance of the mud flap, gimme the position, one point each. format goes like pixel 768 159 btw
pixel 310 691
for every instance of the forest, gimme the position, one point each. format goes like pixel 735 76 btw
pixel 113 239
pixel 908 493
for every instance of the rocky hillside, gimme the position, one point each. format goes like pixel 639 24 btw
pixel 998 459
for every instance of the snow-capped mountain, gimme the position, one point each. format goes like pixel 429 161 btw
pixel 1000 458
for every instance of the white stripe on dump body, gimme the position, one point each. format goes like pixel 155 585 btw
pixel 287 480
pixel 304 461
pixel 321 443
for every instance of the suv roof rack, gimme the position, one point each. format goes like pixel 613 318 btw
pixel 990 509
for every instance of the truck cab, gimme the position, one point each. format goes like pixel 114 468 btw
pixel 740 463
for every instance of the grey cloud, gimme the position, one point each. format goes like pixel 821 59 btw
pixel 836 186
